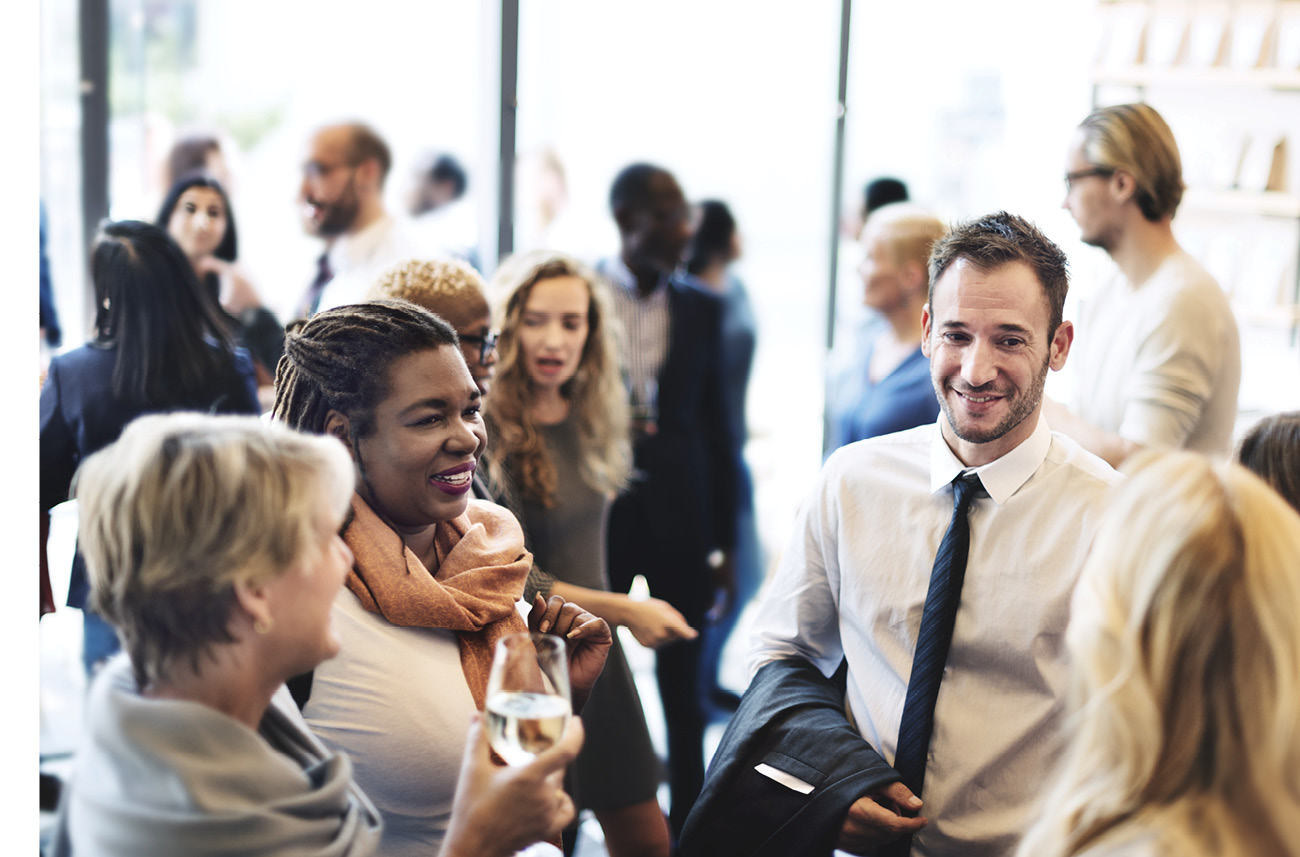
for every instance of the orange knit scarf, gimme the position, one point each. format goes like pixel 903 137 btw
pixel 479 574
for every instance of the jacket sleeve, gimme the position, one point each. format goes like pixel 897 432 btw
pixel 58 443
pixel 724 439
pixel 792 720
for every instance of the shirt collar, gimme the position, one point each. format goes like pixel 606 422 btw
pixel 622 278
pixel 1002 477
pixel 350 251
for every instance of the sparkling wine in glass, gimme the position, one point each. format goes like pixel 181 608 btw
pixel 528 702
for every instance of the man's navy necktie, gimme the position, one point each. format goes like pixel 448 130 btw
pixel 324 273
pixel 932 647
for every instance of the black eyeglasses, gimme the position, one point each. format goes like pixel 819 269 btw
pixel 1071 178
pixel 486 344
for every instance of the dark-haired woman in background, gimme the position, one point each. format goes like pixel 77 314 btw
pixel 159 345
pixel 196 213
pixel 1271 450
pixel 714 247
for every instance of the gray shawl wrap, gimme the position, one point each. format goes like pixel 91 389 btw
pixel 154 778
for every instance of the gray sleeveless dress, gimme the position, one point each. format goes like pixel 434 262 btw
pixel 617 766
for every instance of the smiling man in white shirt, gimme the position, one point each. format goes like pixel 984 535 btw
pixel 341 202
pixel 857 577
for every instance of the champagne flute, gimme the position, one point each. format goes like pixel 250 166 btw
pixel 528 703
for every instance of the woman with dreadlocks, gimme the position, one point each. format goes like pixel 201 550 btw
pixel 437 575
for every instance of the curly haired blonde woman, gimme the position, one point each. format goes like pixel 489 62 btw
pixel 1186 674
pixel 558 419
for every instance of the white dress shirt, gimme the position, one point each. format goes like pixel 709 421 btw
pixel 358 260
pixel 853 582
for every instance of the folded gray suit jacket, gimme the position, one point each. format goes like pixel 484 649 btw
pixel 792 719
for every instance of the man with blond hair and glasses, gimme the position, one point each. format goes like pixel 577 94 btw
pixel 1158 357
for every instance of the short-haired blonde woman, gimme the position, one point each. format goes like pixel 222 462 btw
pixel 213 544
pixel 454 291
pixel 1186 674
pixel 558 418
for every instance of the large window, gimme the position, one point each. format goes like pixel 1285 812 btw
pixel 739 103
pixel 264 74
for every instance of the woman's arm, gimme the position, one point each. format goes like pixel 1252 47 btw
pixel 652 621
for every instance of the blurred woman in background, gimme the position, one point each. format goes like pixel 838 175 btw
pixel 884 386
pixel 1185 673
pixel 558 419
pixel 159 344
pixel 197 214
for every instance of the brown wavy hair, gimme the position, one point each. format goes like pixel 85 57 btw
pixel 596 395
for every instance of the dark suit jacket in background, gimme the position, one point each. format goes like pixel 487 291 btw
pixel 682 503
pixel 792 719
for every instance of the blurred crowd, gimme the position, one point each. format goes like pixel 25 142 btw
pixel 1004 624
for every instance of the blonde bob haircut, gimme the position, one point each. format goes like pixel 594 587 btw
pixel 908 230
pixel 597 397
pixel 1136 139
pixel 1185 672
pixel 184 505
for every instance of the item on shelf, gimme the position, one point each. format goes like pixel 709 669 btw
pixel 1264 165
pixel 1120 43
pixel 1263 283
pixel 1252 34
pixel 1287 36
pixel 1208 36
pixel 1166 43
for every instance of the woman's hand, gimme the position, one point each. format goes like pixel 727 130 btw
pixel 654 622
pixel 237 291
pixel 498 811
pixel 589 638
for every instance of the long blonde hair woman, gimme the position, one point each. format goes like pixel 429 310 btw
pixel 1186 673
pixel 558 419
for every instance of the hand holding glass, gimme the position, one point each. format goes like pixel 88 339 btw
pixel 528 703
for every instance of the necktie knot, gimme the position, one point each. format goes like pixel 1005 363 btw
pixel 324 272
pixel 965 488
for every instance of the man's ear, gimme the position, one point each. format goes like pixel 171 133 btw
pixel 925 331
pixel 915 278
pixel 1125 185
pixel 1059 348
pixel 337 425
pixel 369 171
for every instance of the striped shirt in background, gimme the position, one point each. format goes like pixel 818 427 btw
pixel 646 324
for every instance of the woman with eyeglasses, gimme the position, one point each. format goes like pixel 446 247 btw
pixel 455 292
